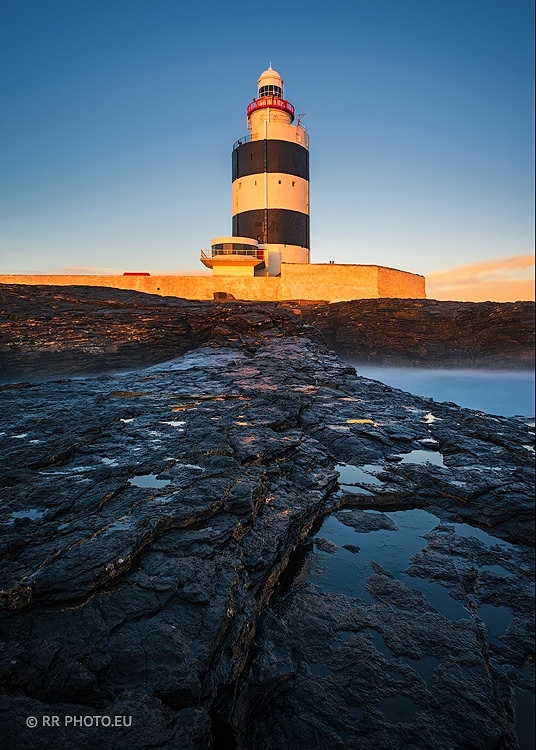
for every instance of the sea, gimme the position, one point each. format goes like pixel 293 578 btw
pixel 505 393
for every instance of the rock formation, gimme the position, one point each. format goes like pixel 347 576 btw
pixel 189 552
pixel 429 333
pixel 46 330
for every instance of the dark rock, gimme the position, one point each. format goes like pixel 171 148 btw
pixel 366 521
pixel 325 545
pixel 163 529
pixel 427 332
pixel 49 331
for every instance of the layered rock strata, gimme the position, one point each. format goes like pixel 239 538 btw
pixel 47 331
pixel 429 333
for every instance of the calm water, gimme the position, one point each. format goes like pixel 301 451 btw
pixel 505 393
pixel 345 568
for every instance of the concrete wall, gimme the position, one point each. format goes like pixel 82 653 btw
pixel 329 281
pixel 393 283
pixel 319 281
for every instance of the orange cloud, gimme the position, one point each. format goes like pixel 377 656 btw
pixel 503 280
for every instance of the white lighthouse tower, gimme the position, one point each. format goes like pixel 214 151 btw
pixel 270 190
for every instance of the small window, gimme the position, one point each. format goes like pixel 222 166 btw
pixel 279 182
pixel 270 90
pixel 293 183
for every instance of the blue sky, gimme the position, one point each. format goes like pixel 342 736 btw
pixel 118 120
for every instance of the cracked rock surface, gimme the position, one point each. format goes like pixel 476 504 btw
pixel 249 546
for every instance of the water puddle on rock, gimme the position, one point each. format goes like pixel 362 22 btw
pixel 350 540
pixel 340 563
pixel 148 480
pixel 350 475
pixel 423 457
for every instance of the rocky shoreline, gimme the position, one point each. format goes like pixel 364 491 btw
pixel 47 331
pixel 170 548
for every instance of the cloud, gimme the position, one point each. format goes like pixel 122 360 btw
pixel 502 280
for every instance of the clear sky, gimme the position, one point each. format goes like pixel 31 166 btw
pixel 119 117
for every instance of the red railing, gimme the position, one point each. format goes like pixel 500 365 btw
pixel 271 101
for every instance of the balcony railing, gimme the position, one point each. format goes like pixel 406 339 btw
pixel 302 137
pixel 258 254
pixel 271 101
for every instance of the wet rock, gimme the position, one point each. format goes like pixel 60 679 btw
pixel 325 545
pixel 158 542
pixel 366 521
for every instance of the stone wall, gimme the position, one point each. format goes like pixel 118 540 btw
pixel 330 282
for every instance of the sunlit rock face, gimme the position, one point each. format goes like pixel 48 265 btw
pixel 250 546
pixel 52 331
pixel 47 331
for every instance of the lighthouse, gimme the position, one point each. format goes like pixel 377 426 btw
pixel 270 190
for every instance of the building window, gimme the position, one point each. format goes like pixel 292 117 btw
pixel 293 183
pixel 270 90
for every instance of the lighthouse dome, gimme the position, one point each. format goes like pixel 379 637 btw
pixel 270 83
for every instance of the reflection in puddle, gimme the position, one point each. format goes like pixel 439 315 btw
pixel 148 480
pixel 349 474
pixel 337 570
pixel 464 530
pixel 345 571
pixel 423 457
pixel 497 619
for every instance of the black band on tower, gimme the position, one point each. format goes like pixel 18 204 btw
pixel 257 157
pixel 273 225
